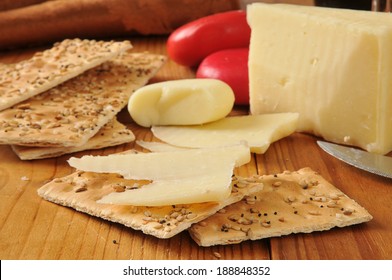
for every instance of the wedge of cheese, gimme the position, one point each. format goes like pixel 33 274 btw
pixel 257 131
pixel 178 177
pixel 333 66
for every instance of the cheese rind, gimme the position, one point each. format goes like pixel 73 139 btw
pixel 181 102
pixel 333 66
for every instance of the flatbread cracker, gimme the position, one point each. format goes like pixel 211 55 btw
pixel 291 202
pixel 47 69
pixel 71 113
pixel 81 190
pixel 111 134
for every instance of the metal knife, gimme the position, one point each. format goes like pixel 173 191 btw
pixel 374 163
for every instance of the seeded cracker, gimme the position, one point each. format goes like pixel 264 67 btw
pixel 47 69
pixel 81 190
pixel 71 113
pixel 111 134
pixel 291 202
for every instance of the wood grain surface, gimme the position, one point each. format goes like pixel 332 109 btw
pixel 32 228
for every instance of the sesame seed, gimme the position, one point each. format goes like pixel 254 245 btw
pixel 174 215
pixel 266 225
pixel 180 218
pixel 25 178
pixel 277 184
pixel 147 213
pixel 217 255
pixel 158 226
pixel 314 213
pixel 191 216
pixel 81 189
pixel 233 217
pixel 348 212
pixel 222 211
pixel 119 188
pixel 235 227
pixel 203 223
pixel 244 221
pixel 147 219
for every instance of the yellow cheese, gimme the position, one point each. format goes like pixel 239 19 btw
pixel 157 147
pixel 178 177
pixel 181 102
pixel 257 131
pixel 214 186
pixel 333 66
pixel 162 165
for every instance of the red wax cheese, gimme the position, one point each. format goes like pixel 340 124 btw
pixel 231 67
pixel 192 42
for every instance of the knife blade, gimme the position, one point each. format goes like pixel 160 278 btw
pixel 374 163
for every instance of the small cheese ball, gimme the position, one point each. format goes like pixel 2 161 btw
pixel 181 102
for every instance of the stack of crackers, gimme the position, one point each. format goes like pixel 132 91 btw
pixel 65 99
pixel 258 207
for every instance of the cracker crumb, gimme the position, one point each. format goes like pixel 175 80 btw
pixel 81 189
pixel 217 255
pixel 25 178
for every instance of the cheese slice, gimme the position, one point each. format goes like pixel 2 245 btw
pixel 333 66
pixel 214 185
pixel 163 165
pixel 257 131
pixel 179 177
pixel 157 147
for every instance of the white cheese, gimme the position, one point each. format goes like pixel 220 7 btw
pixel 179 177
pixel 333 66
pixel 162 165
pixel 257 131
pixel 157 147
pixel 214 186
pixel 181 102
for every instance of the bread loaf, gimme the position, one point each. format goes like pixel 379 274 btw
pixel 6 5
pixel 55 20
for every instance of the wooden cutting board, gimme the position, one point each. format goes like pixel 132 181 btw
pixel 32 228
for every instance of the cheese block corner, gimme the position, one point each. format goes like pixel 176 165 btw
pixel 332 66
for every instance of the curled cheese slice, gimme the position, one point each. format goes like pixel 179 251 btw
pixel 258 131
pixel 181 102
pixel 214 186
pixel 163 165
pixel 178 177
pixel 158 146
